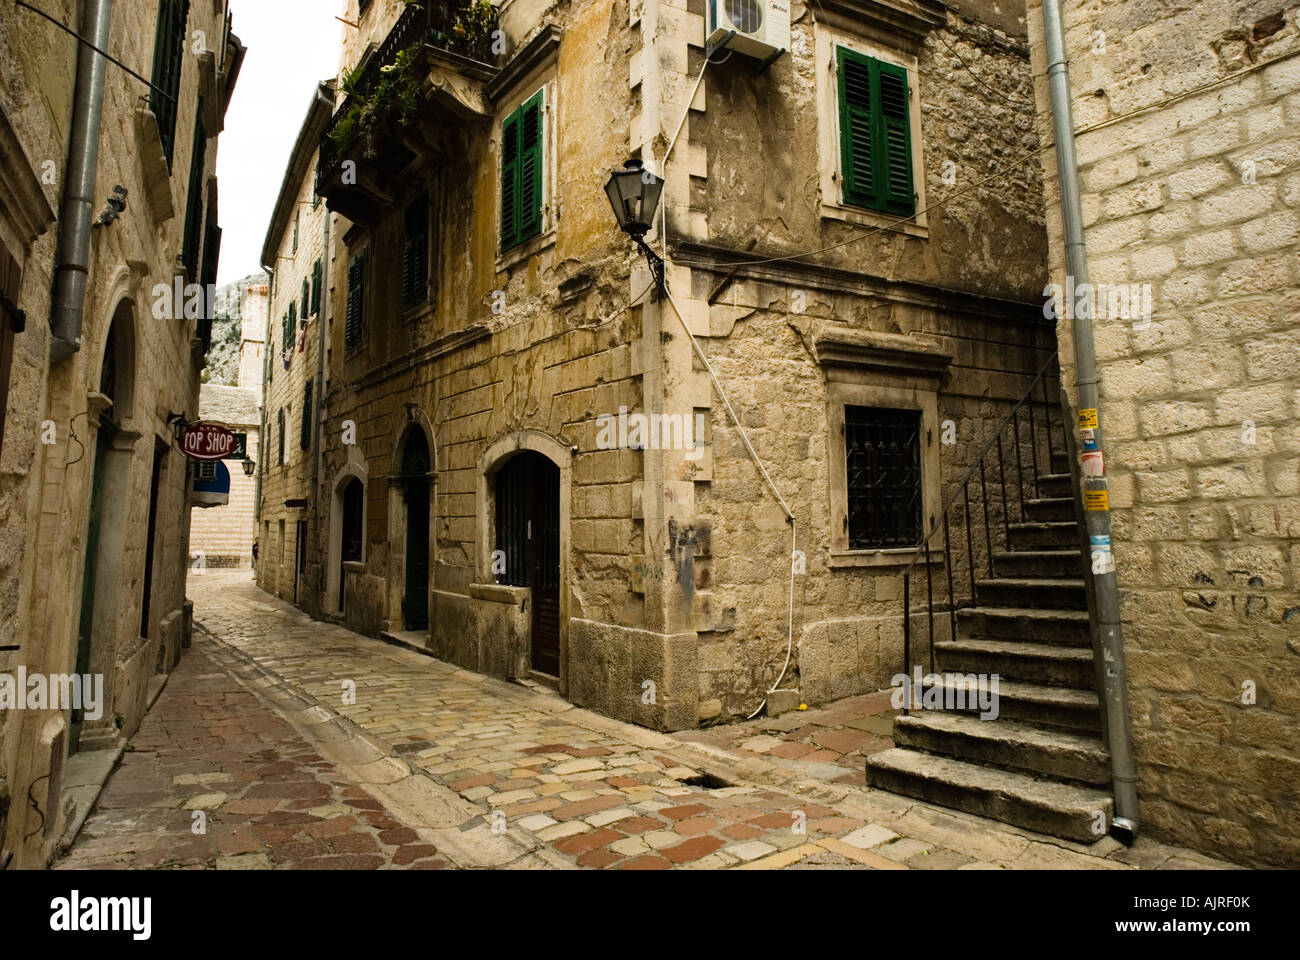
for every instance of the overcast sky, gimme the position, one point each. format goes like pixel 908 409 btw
pixel 292 46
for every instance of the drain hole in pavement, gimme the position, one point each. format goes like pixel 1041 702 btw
pixel 706 780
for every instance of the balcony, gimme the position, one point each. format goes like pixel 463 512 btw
pixel 427 77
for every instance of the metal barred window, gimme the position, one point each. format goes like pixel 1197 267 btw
pixel 883 455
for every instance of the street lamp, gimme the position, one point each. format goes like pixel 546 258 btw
pixel 249 467
pixel 634 194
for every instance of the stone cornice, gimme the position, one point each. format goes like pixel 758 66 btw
pixel 839 346
pixel 820 277
pixel 908 20
pixel 22 199
pixel 543 44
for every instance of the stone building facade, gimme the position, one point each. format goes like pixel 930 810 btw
pixel 1187 118
pixel 294 257
pixel 471 501
pixel 94 492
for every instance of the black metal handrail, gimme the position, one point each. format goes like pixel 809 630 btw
pixel 439 24
pixel 1050 371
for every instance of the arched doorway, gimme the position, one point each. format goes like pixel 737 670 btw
pixel 107 527
pixel 414 479
pixel 353 532
pixel 527 495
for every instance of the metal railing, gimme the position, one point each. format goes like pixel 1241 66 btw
pixel 1027 438
pixel 440 24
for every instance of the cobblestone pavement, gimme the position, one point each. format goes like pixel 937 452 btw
pixel 485 773
pixel 831 743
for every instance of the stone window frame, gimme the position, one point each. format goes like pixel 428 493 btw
pixel 543 79
pixel 826 40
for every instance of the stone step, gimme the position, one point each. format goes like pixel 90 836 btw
pixel 1056 484
pixel 1040 509
pixel 1006 743
pixel 1060 809
pixel 1037 535
pixel 1048 704
pixel 1017 660
pixel 1064 627
pixel 1037 563
pixel 1056 594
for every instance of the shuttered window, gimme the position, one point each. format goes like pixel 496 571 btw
pixel 280 431
pixel 521 173
pixel 194 198
pixel 304 439
pixel 875 134
pixel 415 253
pixel 317 276
pixel 354 327
pixel 306 298
pixel 168 55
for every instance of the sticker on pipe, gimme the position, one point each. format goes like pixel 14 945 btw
pixel 1094 464
pixel 1096 500
pixel 1103 561
pixel 1088 419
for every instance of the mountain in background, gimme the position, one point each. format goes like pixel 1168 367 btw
pixel 223 356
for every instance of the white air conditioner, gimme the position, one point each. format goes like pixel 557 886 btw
pixel 756 28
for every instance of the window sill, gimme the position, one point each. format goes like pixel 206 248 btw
pixel 894 557
pixel 500 593
pixel 419 313
pixel 516 255
pixel 869 218
pixel 354 566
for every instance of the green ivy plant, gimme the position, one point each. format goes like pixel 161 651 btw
pixel 394 97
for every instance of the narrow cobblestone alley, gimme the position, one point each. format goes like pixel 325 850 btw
pixel 434 766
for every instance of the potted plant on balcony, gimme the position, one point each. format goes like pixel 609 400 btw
pixel 393 98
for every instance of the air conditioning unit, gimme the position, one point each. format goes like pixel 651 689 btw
pixel 756 28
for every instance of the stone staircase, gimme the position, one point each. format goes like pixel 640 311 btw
pixel 1041 764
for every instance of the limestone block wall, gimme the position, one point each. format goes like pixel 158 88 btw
pixel 225 534
pixel 1194 191
pixel 45 487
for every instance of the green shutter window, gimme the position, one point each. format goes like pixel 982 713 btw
pixel 522 139
pixel 304 439
pixel 306 298
pixel 295 232
pixel 286 334
pixel 415 253
pixel 168 55
pixel 355 324
pixel 317 275
pixel 194 198
pixel 875 134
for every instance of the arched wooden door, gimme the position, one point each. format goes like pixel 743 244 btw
pixel 528 531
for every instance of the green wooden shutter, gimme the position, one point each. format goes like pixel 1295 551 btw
pixel 194 197
pixel 896 135
pixel 530 168
pixel 857 153
pixel 306 298
pixel 510 182
pixel 304 439
pixel 415 253
pixel 356 300
pixel 523 136
pixel 285 335
pixel 875 134
pixel 168 55
pixel 317 274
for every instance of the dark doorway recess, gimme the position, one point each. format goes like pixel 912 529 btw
pixel 528 531
pixel 353 531
pixel 415 489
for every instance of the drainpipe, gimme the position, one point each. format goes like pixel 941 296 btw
pixel 1105 615
pixel 263 443
pixel 319 412
pixel 76 211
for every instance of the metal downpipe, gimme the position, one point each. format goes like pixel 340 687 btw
pixel 1106 614
pixel 77 208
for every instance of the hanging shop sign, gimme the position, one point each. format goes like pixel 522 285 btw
pixel 208 441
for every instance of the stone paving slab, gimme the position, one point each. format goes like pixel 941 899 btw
pixel 495 774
